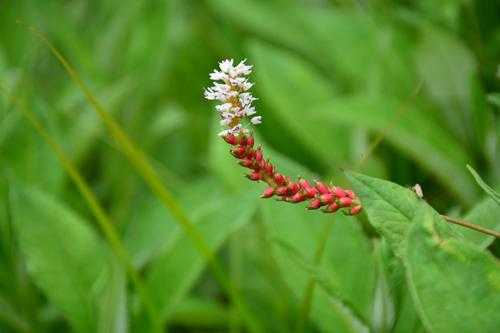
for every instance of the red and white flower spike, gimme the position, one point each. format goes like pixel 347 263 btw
pixel 236 107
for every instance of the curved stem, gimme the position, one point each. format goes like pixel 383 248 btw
pixel 472 226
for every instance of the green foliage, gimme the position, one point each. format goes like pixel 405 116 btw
pixel 400 90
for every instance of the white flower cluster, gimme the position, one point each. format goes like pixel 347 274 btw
pixel 236 101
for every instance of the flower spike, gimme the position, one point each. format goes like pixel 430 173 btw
pixel 235 108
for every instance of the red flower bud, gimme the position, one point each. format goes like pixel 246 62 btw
pixel 304 183
pixel 345 201
pixel 250 141
pixel 356 210
pixel 246 162
pixel 269 168
pixel 332 208
pixel 322 188
pixel 326 198
pixel 255 176
pixel 268 192
pixel 279 179
pixel 350 194
pixel 314 204
pixel 311 192
pixel 238 152
pixel 338 192
pixel 281 191
pixel 230 138
pixel 297 197
pixel 258 155
pixel 293 187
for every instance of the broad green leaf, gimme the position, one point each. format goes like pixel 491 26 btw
pixel 455 285
pixel 295 233
pixel 486 188
pixel 412 131
pixel 486 213
pixel 447 68
pixel 390 208
pixel 64 256
pixel 291 87
pixel 175 271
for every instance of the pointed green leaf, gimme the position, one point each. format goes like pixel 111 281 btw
pixel 455 285
pixel 486 188
pixel 390 208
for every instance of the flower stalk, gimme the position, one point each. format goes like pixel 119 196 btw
pixel 231 89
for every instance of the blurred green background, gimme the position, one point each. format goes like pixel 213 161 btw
pixel 402 90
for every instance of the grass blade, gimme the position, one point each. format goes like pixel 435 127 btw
pixel 486 188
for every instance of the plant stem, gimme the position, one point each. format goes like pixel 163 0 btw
pixel 305 307
pixel 472 226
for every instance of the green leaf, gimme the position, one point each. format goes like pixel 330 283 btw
pixel 412 131
pixel 390 208
pixel 348 253
pixel 325 36
pixel 447 67
pixel 64 256
pixel 454 285
pixel 291 86
pixel 174 272
pixel 113 312
pixel 486 188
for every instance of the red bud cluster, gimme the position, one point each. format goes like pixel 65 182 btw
pixel 331 198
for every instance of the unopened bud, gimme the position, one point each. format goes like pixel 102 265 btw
pixel 281 191
pixel 314 204
pixel 258 155
pixel 310 192
pixel 246 162
pixel 255 176
pixel 279 179
pixel 356 210
pixel 304 183
pixel 297 197
pixel 269 168
pixel 293 188
pixel 230 138
pixel 332 208
pixel 350 194
pixel 268 192
pixel 250 141
pixel 326 198
pixel 322 188
pixel 338 192
pixel 238 152
pixel 345 201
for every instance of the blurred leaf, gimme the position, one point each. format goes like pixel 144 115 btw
pixel 325 36
pixel 494 98
pixel 292 87
pixel 64 256
pixel 175 271
pixel 195 312
pixel 486 188
pixel 447 68
pixel 390 208
pixel 411 131
pixel 347 254
pixel 113 311
pixel 454 284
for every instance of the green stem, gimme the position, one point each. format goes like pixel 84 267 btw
pixel 307 300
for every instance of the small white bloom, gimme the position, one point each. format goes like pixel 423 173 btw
pixel 256 120
pixel 231 88
pixel 226 65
